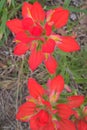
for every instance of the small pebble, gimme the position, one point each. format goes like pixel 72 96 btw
pixel 73 16
pixel 76 2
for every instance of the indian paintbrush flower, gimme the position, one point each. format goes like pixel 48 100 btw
pixel 35 32
pixel 42 108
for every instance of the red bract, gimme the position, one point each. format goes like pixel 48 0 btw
pixel 42 121
pixel 65 43
pixel 60 17
pixel 57 84
pixel 81 125
pixel 15 25
pixel 75 101
pixel 42 113
pixel 48 46
pixel 67 125
pixel 51 64
pixel 26 10
pixel 37 57
pixel 64 111
pixel 68 44
pixel 21 48
pixel 26 111
pixel 34 11
pixel 35 89
pixel 34 32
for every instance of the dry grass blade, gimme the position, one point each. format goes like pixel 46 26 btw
pixel 7 84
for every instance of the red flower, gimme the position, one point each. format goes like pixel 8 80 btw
pixel 26 43
pixel 29 30
pixel 30 111
pixel 40 111
pixel 34 33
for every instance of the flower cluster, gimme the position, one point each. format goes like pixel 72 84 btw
pixel 35 33
pixel 46 109
pixel 43 108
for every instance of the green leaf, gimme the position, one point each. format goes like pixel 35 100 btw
pixel 1 35
pixel 3 25
pixel 2 2
pixel 81 80
pixel 77 10
pixel 66 3
pixel 13 3
pixel 3 20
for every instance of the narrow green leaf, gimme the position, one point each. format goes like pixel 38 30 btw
pixel 66 3
pixel 13 3
pixel 3 26
pixel 77 10
pixel 3 20
pixel 2 4
pixel 81 80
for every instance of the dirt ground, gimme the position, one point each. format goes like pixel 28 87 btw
pixel 13 82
